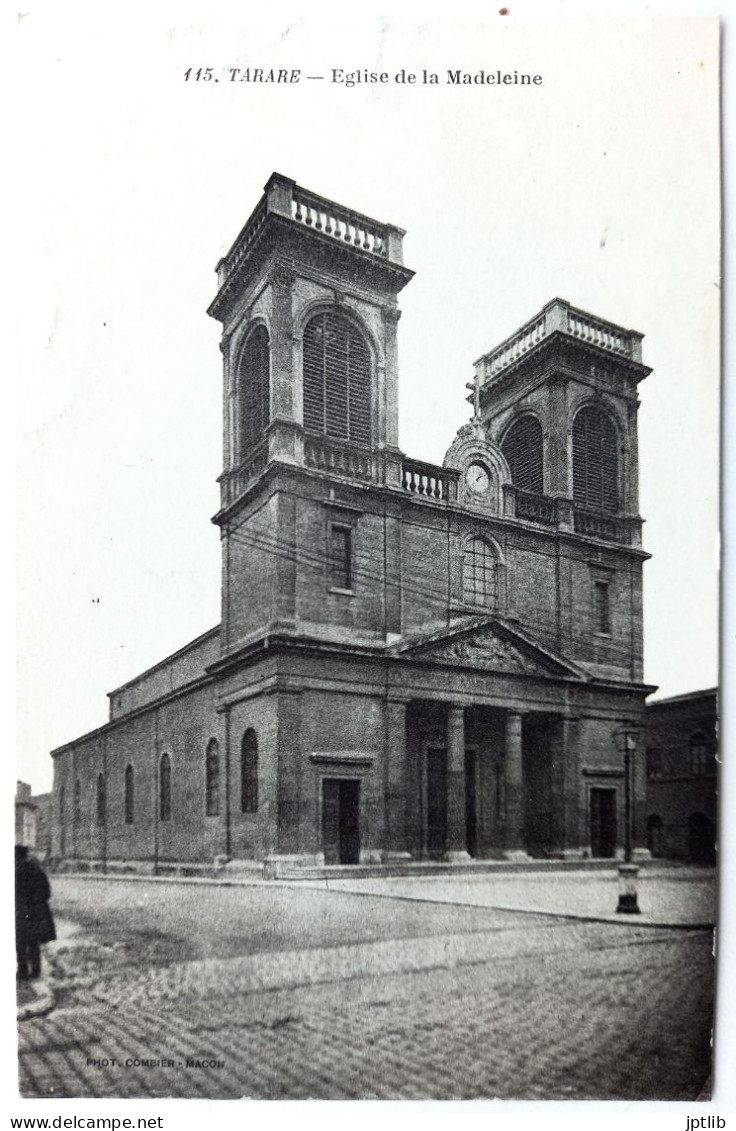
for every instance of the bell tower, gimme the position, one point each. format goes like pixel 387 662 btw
pixel 307 298
pixel 558 400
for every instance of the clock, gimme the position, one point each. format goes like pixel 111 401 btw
pixel 477 478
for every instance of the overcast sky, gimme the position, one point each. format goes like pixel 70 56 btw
pixel 599 185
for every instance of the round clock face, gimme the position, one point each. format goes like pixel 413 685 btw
pixel 477 478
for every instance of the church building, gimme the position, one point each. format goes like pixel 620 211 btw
pixel 415 661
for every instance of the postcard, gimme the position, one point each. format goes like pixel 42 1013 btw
pixel 368 594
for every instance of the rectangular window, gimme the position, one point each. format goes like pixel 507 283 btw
pixel 341 557
pixel 602 608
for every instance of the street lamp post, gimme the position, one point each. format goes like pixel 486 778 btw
pixel 628 903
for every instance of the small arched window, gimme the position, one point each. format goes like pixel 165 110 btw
pixel 212 779
pixel 594 460
pixel 249 772
pixel 254 390
pixel 655 835
pixel 101 799
pixel 129 796
pixel 77 800
pixel 524 451
pixel 164 800
pixel 701 755
pixel 480 574
pixel 337 379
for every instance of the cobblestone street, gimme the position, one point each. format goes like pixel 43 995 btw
pixel 424 1001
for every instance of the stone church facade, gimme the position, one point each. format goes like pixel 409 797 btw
pixel 415 661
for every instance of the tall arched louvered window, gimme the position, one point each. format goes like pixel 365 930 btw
pixel 212 779
pixel 62 809
pixel 524 452
pixel 164 795
pixel 480 574
pixel 254 390
pixel 594 460
pixel 101 799
pixel 129 796
pixel 249 772
pixel 337 379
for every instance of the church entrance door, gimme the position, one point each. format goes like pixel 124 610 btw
pixel 436 801
pixel 341 820
pixel 603 822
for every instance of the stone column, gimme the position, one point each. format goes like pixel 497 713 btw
pixel 392 578
pixel 388 426
pixel 456 847
pixel 514 789
pixel 386 419
pixel 284 427
pixel 395 846
pixel 229 413
pixel 558 471
pixel 285 567
pixel 291 819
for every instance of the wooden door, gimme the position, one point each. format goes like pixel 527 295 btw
pixel 436 800
pixel 603 822
pixel 341 820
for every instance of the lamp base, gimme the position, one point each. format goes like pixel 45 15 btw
pixel 628 903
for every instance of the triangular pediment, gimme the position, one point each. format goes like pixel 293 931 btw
pixel 488 644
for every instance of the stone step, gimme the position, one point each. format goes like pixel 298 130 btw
pixel 436 868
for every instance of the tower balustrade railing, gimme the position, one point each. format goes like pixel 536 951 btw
pixel 285 199
pixel 236 479
pixel 535 508
pixel 625 529
pixel 340 223
pixel 559 316
pixel 325 454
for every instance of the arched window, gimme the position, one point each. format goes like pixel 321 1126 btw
pixel 129 796
pixel 523 449
pixel 594 460
pixel 62 808
pixel 337 379
pixel 701 755
pixel 164 800
pixel 212 779
pixel 480 574
pixel 77 800
pixel 249 772
pixel 254 389
pixel 655 835
pixel 101 799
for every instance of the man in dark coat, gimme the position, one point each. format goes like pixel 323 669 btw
pixel 34 923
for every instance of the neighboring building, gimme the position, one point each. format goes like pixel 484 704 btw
pixel 33 819
pixel 44 830
pixel 682 768
pixel 414 661
pixel 26 817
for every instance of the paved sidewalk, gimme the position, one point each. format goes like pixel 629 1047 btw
pixel 681 897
